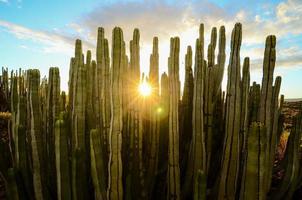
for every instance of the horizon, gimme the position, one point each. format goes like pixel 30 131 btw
pixel 41 42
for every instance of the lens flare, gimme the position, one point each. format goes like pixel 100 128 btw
pixel 145 89
pixel 159 110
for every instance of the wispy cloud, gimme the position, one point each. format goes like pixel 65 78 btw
pixel 3 1
pixel 163 19
pixel 52 42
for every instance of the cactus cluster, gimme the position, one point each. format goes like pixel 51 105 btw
pixel 103 140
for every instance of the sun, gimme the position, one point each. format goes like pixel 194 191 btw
pixel 145 89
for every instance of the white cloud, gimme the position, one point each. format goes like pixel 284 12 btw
pixel 52 42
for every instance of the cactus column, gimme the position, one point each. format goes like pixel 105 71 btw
pixel 197 160
pixel 36 133
pixel 186 115
pixel 78 122
pixel 115 186
pixel 52 109
pixel 265 113
pixel 62 164
pixel 173 166
pixel 154 115
pixel 230 158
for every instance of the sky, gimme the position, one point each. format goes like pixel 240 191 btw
pixel 41 34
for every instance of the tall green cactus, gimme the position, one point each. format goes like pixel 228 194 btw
pixel 214 114
pixel 78 122
pixel 230 159
pixel 154 116
pixel 292 176
pixel 137 168
pixel 254 163
pixel 115 186
pixel 160 190
pixel 272 143
pixel 201 188
pixel 254 102
pixel 38 169
pixel 245 88
pixel 102 88
pixel 63 176
pixel 197 160
pixel 11 185
pixel 173 166
pixel 53 110
pixel 90 88
pixel 265 112
pixel 186 113
pixel 4 81
pixel 79 91
pixel 63 99
pixel 97 164
pixel 244 121
pixel 208 95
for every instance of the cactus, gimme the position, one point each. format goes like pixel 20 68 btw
pixel 97 164
pixel 78 122
pixel 5 83
pixel 62 164
pixel 272 143
pixel 79 91
pixel 254 102
pixel 186 113
pixel 208 96
pixel 197 160
pixel 13 106
pixel 78 186
pixel 245 102
pixel 38 169
pixel 115 187
pixel 136 167
pixel 101 91
pixel 52 109
pixel 265 111
pixel 12 188
pixel 230 159
pixel 160 190
pixel 90 72
pixel 154 116
pixel 201 189
pixel 292 176
pixel 63 101
pixel 173 165
pixel 210 143
pixel 244 121
pixel 254 163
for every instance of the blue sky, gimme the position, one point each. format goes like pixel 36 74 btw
pixel 41 34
